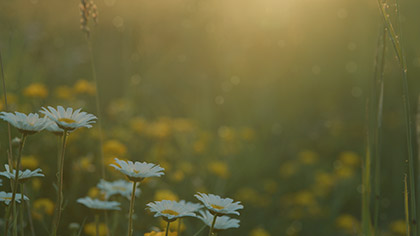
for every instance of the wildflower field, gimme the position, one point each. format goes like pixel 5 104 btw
pixel 195 118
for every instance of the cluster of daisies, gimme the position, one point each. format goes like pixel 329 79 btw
pixel 213 210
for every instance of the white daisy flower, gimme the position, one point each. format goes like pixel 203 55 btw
pixel 121 187
pixel 53 128
pixel 22 175
pixel 7 197
pixel 137 171
pixel 26 124
pixel 69 119
pixel 193 207
pixel 219 206
pixel 98 204
pixel 169 210
pixel 222 222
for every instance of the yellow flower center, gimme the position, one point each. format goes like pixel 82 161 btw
pixel 136 171
pixel 170 212
pixel 217 207
pixel 7 198
pixel 67 120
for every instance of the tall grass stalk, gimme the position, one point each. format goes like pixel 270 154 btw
pixel 395 38
pixel 6 107
pixel 98 105
pixel 376 114
pixel 14 184
pixel 130 214
pixel 366 193
pixel 406 207
pixel 59 204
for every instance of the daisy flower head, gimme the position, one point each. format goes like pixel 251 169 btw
pixel 121 187
pixel 193 207
pixel 69 119
pixel 219 206
pixel 137 171
pixel 222 222
pixel 7 197
pixel 98 204
pixel 169 210
pixel 22 175
pixel 53 128
pixel 26 124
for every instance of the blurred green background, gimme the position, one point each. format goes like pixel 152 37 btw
pixel 260 100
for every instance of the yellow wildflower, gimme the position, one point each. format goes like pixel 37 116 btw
pixel 90 229
pixel 154 233
pixel 308 157
pixel 36 90
pixel 29 162
pixel 348 223
pixel 114 147
pixel 227 134
pixel 64 92
pixel 248 134
pixel 138 125
pixel 350 159
pixel 288 169
pixel 94 192
pixel 84 87
pixel 219 168
pixel 42 206
pixel 165 194
pixel 399 227
pixel 305 198
pixel 259 232
pixel 159 129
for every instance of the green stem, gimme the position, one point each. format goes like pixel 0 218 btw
pixel 59 204
pixel 130 217
pixel 14 183
pixel 98 105
pixel 212 225
pixel 200 230
pixel 22 206
pixel 6 106
pixel 97 224
pixel 167 228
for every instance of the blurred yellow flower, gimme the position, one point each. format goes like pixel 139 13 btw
pixel 90 229
pixel 308 157
pixel 177 176
pixel 288 169
pixel 138 125
pixel 165 194
pixel 36 184
pixel 36 90
pixel 350 159
pixel 270 186
pixel 305 198
pixel 348 223
pixel 29 162
pixel 84 87
pixel 259 232
pixel 63 92
pixel 94 192
pixel 248 134
pixel 41 207
pixel 154 233
pixel 344 172
pixel 159 129
pixel 172 227
pixel 85 164
pixel 227 134
pixel 114 147
pixel 399 227
pixel 323 183
pixel 219 168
